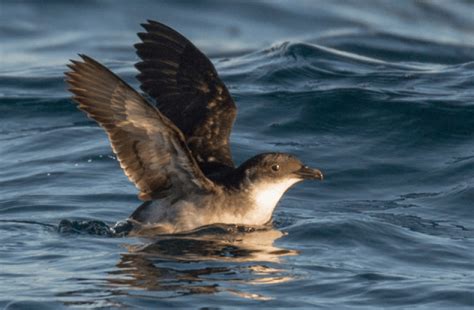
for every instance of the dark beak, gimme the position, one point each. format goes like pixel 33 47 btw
pixel 307 173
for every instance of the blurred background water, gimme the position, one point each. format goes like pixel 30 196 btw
pixel 378 94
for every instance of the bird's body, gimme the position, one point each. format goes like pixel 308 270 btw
pixel 178 154
pixel 250 207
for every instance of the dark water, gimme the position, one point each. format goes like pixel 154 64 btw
pixel 378 94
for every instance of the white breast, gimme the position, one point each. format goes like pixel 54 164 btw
pixel 266 197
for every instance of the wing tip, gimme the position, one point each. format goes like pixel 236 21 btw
pixel 153 22
pixel 138 45
pixel 77 65
pixel 153 25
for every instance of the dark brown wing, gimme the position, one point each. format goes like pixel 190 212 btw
pixel 189 92
pixel 151 150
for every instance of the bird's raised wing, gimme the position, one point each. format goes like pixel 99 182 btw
pixel 189 92
pixel 150 148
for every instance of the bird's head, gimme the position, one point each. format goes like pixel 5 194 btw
pixel 277 168
pixel 268 176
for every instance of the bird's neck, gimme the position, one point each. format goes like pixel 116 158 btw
pixel 264 197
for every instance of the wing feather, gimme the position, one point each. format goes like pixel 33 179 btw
pixel 150 148
pixel 188 90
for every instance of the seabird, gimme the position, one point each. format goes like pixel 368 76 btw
pixel 177 152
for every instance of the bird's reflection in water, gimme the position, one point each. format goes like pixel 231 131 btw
pixel 210 260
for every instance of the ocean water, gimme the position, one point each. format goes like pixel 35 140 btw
pixel 377 94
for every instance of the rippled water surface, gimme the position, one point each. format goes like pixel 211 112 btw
pixel 378 94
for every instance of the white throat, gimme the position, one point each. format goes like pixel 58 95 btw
pixel 266 196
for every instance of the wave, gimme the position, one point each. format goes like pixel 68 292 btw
pixel 380 101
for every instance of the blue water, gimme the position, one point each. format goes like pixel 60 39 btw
pixel 377 94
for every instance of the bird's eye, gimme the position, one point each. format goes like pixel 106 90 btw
pixel 276 167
